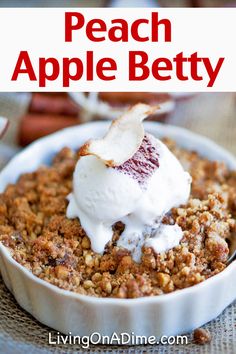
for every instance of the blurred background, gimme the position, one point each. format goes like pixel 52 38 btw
pixel 38 114
pixel 127 3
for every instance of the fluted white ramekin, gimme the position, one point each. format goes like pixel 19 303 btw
pixel 169 314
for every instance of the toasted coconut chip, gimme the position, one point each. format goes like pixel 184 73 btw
pixel 123 139
pixel 3 126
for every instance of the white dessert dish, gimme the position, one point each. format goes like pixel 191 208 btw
pixel 168 314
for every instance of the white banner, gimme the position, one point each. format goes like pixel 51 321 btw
pixel 97 49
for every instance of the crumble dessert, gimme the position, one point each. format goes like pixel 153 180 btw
pixel 35 227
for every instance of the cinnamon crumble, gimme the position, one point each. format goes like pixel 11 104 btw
pixel 34 226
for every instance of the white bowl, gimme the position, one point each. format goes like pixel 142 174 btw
pixel 168 314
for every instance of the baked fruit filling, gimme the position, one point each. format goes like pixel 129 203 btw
pixel 177 247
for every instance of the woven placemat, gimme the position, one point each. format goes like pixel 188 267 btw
pixel 213 115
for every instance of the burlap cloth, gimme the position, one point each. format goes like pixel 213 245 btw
pixel 212 115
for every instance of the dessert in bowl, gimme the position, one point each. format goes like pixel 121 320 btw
pixel 82 266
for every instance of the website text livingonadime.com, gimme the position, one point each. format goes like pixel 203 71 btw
pixel 115 339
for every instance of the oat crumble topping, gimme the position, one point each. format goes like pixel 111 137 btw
pixel 34 226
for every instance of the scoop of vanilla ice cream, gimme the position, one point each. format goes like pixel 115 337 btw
pixel 101 197
pixel 104 195
pixel 168 187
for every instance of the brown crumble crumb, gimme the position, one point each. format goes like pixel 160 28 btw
pixel 201 336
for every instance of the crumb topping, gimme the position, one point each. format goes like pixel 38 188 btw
pixel 34 226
